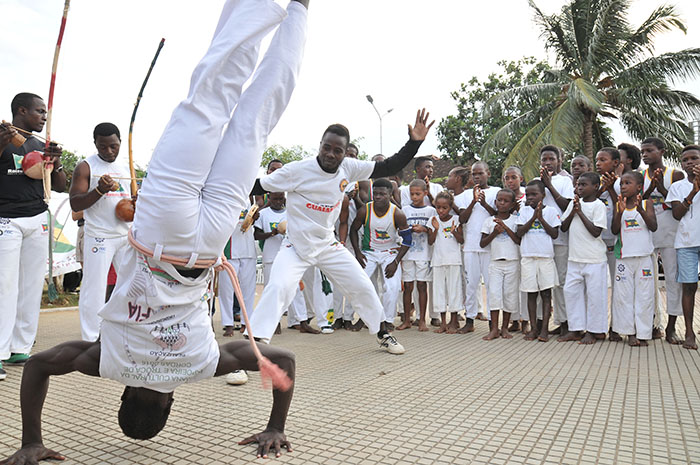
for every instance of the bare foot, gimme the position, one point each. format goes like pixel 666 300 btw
pixel 441 329
pixel 404 325
pixel 526 326
pixel 514 326
pixel 422 327
pixel 599 336
pixel 614 337
pixel 634 342
pixel 338 324
pixel 491 335
pixel 416 323
pixel 242 330
pixel 531 336
pixel 228 331
pixel 656 333
pixel 304 327
pixel 451 330
pixel 672 338
pixel 481 317
pixel 544 336
pixel 570 336
pixel 588 339
pixel 505 334
pixel 278 329
pixel 434 322
pixel 467 328
pixel 690 342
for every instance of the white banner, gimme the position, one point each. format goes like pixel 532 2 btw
pixel 65 234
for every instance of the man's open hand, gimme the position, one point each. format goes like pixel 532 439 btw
pixel 31 454
pixel 268 440
pixel 420 130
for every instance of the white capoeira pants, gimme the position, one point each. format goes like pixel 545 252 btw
pixel 341 268
pixel 199 181
pixel 611 259
pixel 447 287
pixel 586 293
pixel 24 248
pixel 673 287
pixel 99 254
pixel 246 271
pixel 561 261
pixel 297 309
pixel 378 261
pixel 633 307
pixel 315 298
pixel 504 286
pixel 476 267
pixel 341 305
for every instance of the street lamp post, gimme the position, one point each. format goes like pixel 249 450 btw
pixel 381 135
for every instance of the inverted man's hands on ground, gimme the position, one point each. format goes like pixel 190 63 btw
pixel 268 440
pixel 420 130
pixel 31 454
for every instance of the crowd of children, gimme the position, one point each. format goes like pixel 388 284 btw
pixel 546 249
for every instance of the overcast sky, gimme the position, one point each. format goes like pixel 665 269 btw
pixel 405 53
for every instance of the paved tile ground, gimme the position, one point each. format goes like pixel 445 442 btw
pixel 452 399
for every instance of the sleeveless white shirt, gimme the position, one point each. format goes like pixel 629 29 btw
pixel 380 232
pixel 100 219
pixel 665 233
pixel 635 238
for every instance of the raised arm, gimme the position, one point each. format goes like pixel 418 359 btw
pixel 401 225
pixel 65 358
pixel 397 162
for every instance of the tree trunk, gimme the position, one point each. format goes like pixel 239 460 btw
pixel 588 136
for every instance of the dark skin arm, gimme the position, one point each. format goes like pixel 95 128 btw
pixel 81 198
pixel 259 235
pixel 500 227
pixel 343 220
pixel 679 209
pixel 546 178
pixel 432 232
pixel 466 213
pixel 458 234
pixel 354 239
pixel 657 182
pixel 53 151
pixel 576 211
pixel 239 355
pixel 65 358
pixel 648 215
pixel 401 224
pixel 524 228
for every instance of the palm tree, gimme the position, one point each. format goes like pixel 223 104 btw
pixel 605 70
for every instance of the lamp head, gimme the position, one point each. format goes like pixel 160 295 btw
pixel 370 99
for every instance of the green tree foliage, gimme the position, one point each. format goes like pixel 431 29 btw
pixel 69 160
pixel 605 70
pixel 284 154
pixel 462 136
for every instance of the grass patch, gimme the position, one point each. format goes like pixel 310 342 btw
pixel 63 300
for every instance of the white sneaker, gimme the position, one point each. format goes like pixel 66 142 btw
pixel 237 377
pixel 327 330
pixel 390 344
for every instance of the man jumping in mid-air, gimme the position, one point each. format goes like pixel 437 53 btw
pixel 156 333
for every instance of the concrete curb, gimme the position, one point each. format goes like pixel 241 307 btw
pixel 57 309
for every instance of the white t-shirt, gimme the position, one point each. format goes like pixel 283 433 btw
pixel 607 235
pixel 420 250
pixel 536 242
pixel 243 243
pixel 405 191
pixel 688 233
pixel 446 248
pixel 502 246
pixel 314 199
pixel 156 331
pixel 583 247
pixel 565 187
pixel 267 220
pixel 100 220
pixel 635 239
pixel 666 224
pixel 472 228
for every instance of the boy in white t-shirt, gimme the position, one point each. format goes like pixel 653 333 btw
pixel 586 288
pixel 498 234
pixel 538 225
pixel 475 205
pixel 415 265
pixel 633 299
pixel 684 196
pixel 241 253
pixel 446 236
pixel 559 192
